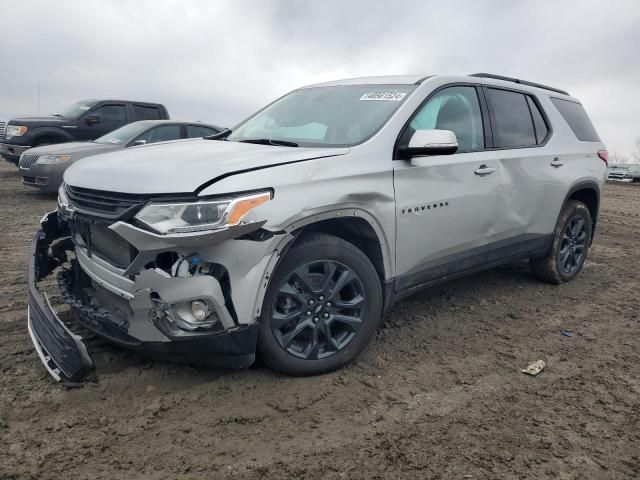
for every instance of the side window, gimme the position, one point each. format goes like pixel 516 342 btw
pixel 198 131
pixel 456 109
pixel 163 133
pixel 577 119
pixel 512 119
pixel 111 114
pixel 538 121
pixel 146 113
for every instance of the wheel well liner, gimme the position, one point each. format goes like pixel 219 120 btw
pixel 589 194
pixel 356 231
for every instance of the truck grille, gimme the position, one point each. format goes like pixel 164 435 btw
pixel 27 160
pixel 3 126
pixel 104 204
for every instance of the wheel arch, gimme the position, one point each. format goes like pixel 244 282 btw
pixel 59 136
pixel 587 192
pixel 355 226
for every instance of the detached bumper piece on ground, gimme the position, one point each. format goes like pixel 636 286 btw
pixel 62 352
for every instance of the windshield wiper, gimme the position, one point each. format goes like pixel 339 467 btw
pixel 219 136
pixel 269 141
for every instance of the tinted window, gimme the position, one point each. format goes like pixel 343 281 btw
pixel 538 121
pixel 513 122
pixel 197 131
pixel 577 119
pixel 146 113
pixel 111 114
pixel 456 109
pixel 161 134
pixel 124 134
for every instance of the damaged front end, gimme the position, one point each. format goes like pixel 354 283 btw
pixel 181 296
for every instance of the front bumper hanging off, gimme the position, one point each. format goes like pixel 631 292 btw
pixel 64 354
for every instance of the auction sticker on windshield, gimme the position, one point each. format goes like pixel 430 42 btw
pixel 384 96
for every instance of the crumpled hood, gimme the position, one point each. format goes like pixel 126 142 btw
pixel 181 167
pixel 82 149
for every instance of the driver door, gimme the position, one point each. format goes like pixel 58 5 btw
pixel 446 204
pixel 102 120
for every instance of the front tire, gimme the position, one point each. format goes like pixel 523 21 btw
pixel 321 308
pixel 571 240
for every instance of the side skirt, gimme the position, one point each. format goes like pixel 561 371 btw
pixel 465 263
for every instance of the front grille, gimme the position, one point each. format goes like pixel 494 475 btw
pixel 104 204
pixel 3 126
pixel 27 160
pixel 56 341
pixel 109 245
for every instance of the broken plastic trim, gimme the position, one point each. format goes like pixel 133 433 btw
pixel 62 353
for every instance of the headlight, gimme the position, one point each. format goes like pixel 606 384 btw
pixel 198 216
pixel 51 159
pixel 15 131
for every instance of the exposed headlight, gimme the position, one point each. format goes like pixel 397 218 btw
pixel 15 131
pixel 51 159
pixel 199 216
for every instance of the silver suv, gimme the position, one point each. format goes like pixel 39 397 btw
pixel 290 234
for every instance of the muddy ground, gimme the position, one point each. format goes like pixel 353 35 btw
pixel 439 393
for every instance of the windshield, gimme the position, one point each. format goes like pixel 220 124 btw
pixel 77 109
pixel 123 135
pixel 338 116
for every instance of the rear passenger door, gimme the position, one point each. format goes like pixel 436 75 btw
pixel 531 188
pixel 146 112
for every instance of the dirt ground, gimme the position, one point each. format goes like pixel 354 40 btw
pixel 439 393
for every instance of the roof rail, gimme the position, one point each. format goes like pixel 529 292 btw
pixel 517 80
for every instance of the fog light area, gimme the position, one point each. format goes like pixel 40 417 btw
pixel 193 315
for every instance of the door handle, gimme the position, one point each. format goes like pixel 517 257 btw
pixel 556 162
pixel 484 170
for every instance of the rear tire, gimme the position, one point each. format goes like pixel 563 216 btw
pixel 321 308
pixel 571 240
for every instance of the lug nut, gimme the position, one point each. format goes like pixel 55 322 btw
pixel 321 298
pixel 316 319
pixel 325 315
pixel 310 302
pixel 308 313
pixel 328 304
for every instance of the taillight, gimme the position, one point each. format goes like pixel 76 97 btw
pixel 604 156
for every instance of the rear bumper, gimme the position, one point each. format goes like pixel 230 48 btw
pixel 143 328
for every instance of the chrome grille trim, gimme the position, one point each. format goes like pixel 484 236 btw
pixel 27 160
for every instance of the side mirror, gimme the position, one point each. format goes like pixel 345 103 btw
pixel 92 119
pixel 431 142
pixel 139 142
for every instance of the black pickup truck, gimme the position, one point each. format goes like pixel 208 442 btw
pixel 82 121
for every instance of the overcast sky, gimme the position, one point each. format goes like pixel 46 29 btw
pixel 218 61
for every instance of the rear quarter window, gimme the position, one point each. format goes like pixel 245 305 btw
pixel 577 118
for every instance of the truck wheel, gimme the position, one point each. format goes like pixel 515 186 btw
pixel 571 239
pixel 321 308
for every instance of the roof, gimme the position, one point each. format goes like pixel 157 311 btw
pixel 388 79
pixel 185 122
pixel 482 78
